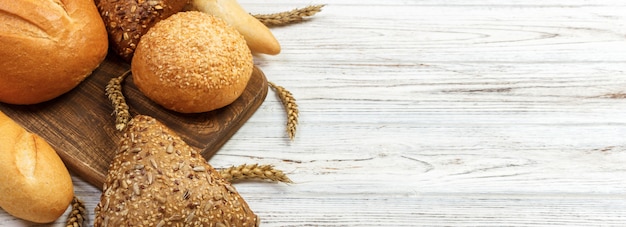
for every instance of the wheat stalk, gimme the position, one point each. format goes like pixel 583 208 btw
pixel 120 108
pixel 76 217
pixel 254 171
pixel 289 103
pixel 288 17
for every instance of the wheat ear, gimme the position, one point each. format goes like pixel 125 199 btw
pixel 120 108
pixel 289 103
pixel 254 171
pixel 288 17
pixel 76 217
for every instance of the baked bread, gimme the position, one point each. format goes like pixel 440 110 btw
pixel 35 185
pixel 127 20
pixel 156 179
pixel 47 47
pixel 258 36
pixel 192 62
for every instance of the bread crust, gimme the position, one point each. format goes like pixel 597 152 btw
pixel 156 179
pixel 191 63
pixel 35 185
pixel 47 48
pixel 126 21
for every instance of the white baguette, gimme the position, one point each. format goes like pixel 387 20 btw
pixel 35 185
pixel 258 36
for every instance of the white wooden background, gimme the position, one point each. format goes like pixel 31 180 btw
pixel 440 113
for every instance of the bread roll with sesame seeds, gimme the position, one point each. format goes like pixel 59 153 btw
pixel 192 62
pixel 156 179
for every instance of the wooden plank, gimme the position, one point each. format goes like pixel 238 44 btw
pixel 441 113
pixel 81 128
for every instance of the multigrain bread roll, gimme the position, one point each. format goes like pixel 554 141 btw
pixel 192 62
pixel 127 20
pixel 34 183
pixel 156 179
pixel 47 47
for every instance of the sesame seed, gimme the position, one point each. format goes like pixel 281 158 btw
pixel 153 163
pixel 124 184
pixel 189 217
pixel 150 178
pixel 136 189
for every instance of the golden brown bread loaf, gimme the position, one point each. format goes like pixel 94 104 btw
pixel 47 47
pixel 127 20
pixel 156 179
pixel 34 184
pixel 192 62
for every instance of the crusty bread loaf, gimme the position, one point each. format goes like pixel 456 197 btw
pixel 127 20
pixel 192 62
pixel 47 47
pixel 35 185
pixel 156 179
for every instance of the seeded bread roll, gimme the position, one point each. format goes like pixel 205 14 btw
pixel 47 47
pixel 192 62
pixel 156 179
pixel 34 183
pixel 127 20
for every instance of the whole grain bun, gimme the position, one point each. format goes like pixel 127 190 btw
pixel 192 62
pixel 156 179
pixel 127 20
pixel 34 184
pixel 47 47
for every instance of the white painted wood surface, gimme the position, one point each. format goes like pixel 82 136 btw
pixel 440 113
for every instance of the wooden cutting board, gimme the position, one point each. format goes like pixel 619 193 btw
pixel 81 127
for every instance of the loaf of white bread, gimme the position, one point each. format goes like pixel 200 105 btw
pixel 35 185
pixel 47 47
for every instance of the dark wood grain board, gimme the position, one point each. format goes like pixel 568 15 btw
pixel 80 123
